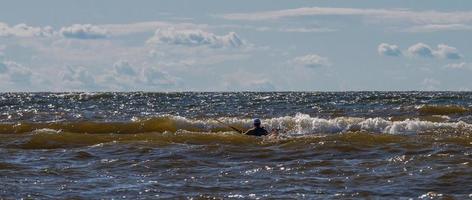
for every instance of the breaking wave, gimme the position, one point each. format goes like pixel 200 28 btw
pixel 300 124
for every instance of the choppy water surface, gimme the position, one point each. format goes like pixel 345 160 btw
pixel 342 145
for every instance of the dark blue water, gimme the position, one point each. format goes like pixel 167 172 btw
pixel 124 106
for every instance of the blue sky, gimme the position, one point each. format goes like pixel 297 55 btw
pixel 209 45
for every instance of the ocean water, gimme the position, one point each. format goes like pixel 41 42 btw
pixel 330 145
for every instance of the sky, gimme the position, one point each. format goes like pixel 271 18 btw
pixel 235 45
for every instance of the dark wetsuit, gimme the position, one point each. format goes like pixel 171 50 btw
pixel 257 131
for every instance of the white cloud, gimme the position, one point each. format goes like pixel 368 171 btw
pixel 447 52
pixel 461 65
pixel 439 27
pixel 443 51
pixel 195 37
pixel 129 72
pixel 304 11
pixel 121 76
pixel 416 17
pixel 84 31
pixel 89 31
pixel 15 73
pixel 23 30
pixel 292 29
pixel 156 77
pixel 125 76
pixel 123 67
pixel 385 49
pixel 420 50
pixel 79 78
pixel 151 26
pixel 456 65
pixel 311 61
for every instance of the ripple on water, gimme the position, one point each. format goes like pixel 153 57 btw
pixel 368 145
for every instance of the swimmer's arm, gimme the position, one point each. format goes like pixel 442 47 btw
pixel 248 132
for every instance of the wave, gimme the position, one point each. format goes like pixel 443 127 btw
pixel 304 124
pixel 442 110
pixel 300 124
pixel 350 141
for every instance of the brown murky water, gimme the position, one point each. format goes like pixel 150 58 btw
pixel 159 145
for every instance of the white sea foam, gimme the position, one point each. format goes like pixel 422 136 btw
pixel 302 124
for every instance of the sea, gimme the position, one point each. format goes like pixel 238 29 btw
pixel 326 145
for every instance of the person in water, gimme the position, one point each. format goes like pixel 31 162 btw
pixel 257 130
